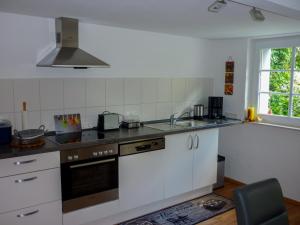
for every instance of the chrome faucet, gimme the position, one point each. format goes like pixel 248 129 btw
pixel 173 119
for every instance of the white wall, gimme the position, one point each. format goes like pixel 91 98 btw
pixel 253 152
pixel 219 52
pixel 131 53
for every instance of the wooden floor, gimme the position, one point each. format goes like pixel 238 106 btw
pixel 229 218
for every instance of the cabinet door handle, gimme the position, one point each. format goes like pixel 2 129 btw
pixel 25 180
pixel 191 142
pixel 28 214
pixel 24 162
pixel 197 141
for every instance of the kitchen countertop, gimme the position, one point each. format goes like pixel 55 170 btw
pixel 109 137
pixel 6 151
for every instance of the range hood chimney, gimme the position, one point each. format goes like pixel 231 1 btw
pixel 67 53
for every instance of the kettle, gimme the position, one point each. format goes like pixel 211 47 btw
pixel 198 112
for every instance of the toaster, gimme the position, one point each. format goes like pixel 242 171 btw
pixel 5 132
pixel 108 121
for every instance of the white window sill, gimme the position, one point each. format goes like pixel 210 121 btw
pixel 275 125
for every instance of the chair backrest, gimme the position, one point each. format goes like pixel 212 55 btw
pixel 260 203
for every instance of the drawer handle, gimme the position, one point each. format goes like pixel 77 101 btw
pixel 28 214
pixel 24 162
pixel 25 180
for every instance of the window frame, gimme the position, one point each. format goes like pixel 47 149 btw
pixel 269 43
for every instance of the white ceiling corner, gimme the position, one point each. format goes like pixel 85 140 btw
pixel 187 18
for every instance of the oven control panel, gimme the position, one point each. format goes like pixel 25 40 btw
pixel 98 151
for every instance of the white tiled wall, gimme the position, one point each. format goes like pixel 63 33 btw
pixel 150 98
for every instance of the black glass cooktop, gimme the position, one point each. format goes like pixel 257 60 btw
pixel 79 137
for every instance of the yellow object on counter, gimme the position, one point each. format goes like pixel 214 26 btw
pixel 251 114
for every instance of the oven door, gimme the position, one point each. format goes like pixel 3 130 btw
pixel 89 182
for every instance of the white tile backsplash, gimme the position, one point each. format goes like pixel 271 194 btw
pixel 27 90
pixel 51 94
pixel 181 107
pixel 132 91
pixel 148 111
pixel 163 90
pixel 149 90
pixel 74 93
pixel 178 89
pixel 95 92
pixel 6 96
pixel 150 98
pixel 34 120
pixel 47 118
pixel 114 91
pixel 91 115
pixel 163 110
pixel 130 110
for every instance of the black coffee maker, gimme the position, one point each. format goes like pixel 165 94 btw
pixel 215 107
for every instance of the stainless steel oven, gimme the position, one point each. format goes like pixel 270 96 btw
pixel 89 176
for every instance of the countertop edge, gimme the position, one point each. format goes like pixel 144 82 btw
pixel 54 146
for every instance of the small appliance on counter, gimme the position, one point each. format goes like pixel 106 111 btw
pixel 131 120
pixel 198 112
pixel 5 132
pixel 108 121
pixel 215 107
pixel 131 124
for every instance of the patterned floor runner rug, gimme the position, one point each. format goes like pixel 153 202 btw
pixel 187 213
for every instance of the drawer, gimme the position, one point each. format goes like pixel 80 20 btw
pixel 45 214
pixel 25 164
pixel 29 189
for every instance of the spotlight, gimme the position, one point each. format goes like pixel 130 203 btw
pixel 217 6
pixel 256 14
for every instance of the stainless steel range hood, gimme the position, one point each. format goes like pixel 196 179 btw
pixel 67 53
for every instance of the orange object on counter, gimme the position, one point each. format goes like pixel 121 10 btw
pixel 251 114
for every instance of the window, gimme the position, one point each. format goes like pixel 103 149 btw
pixel 279 82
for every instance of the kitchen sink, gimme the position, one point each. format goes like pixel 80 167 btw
pixel 178 125
pixel 191 123
pixel 164 126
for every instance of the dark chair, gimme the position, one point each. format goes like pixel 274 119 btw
pixel 260 203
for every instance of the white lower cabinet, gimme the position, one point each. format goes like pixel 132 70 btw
pixel 178 164
pixel 190 161
pixel 30 163
pixel 141 179
pixel 205 158
pixel 29 189
pixel 44 214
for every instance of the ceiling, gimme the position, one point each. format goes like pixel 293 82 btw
pixel 179 17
